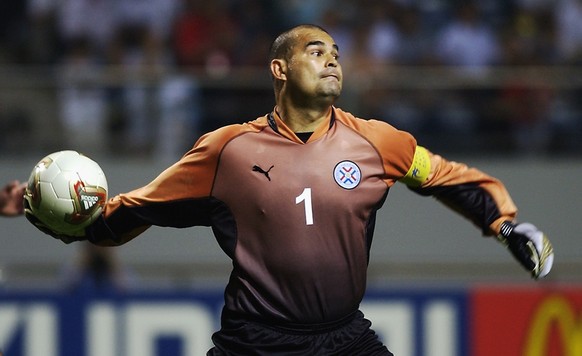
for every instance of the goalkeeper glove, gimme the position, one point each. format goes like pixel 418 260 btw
pixel 529 246
pixel 47 230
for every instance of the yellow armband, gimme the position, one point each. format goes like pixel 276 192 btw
pixel 420 168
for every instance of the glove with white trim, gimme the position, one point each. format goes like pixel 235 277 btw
pixel 44 228
pixel 529 246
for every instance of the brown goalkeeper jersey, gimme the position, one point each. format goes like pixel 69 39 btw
pixel 297 218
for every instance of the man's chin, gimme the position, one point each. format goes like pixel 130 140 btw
pixel 332 92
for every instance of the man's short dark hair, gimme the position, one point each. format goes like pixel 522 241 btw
pixel 284 42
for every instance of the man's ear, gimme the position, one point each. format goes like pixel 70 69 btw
pixel 279 69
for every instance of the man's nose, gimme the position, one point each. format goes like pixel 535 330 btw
pixel 332 61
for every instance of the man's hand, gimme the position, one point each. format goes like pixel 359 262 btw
pixel 11 199
pixel 529 246
pixel 47 230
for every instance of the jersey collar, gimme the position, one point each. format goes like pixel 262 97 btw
pixel 279 126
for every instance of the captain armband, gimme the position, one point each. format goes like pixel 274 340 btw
pixel 420 168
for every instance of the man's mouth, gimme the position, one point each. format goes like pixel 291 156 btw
pixel 331 75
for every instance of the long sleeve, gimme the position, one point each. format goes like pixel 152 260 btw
pixel 472 193
pixel 180 196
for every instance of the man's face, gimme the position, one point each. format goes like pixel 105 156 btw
pixel 313 67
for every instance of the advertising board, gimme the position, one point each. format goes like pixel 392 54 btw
pixel 411 322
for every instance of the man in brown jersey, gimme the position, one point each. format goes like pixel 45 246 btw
pixel 274 191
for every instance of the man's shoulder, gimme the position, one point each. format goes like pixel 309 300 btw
pixel 228 132
pixel 365 124
pixel 378 132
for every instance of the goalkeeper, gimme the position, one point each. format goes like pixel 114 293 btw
pixel 292 199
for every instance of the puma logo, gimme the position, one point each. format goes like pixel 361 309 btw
pixel 260 170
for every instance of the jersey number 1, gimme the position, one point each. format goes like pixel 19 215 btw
pixel 305 196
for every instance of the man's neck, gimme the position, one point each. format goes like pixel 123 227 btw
pixel 301 119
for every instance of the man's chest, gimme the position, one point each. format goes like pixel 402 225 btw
pixel 268 175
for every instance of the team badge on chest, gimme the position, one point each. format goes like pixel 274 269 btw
pixel 347 174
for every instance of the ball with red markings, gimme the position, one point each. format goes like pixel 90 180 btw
pixel 66 191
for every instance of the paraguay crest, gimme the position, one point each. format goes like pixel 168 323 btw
pixel 347 174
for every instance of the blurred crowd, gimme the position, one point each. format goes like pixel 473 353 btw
pixel 236 32
pixel 81 36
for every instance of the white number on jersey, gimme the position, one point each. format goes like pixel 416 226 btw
pixel 306 197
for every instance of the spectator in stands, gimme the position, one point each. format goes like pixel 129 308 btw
pixel 258 22
pixel 383 37
pixel 82 98
pixel 43 42
pixel 91 19
pixel 414 45
pixel 141 50
pixel 470 46
pixel 467 42
pixel 13 30
pixel 525 101
pixel 340 25
pixel 568 14
pixel 205 35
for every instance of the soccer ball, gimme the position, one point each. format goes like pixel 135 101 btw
pixel 66 191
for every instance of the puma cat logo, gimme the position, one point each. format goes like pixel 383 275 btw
pixel 260 170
